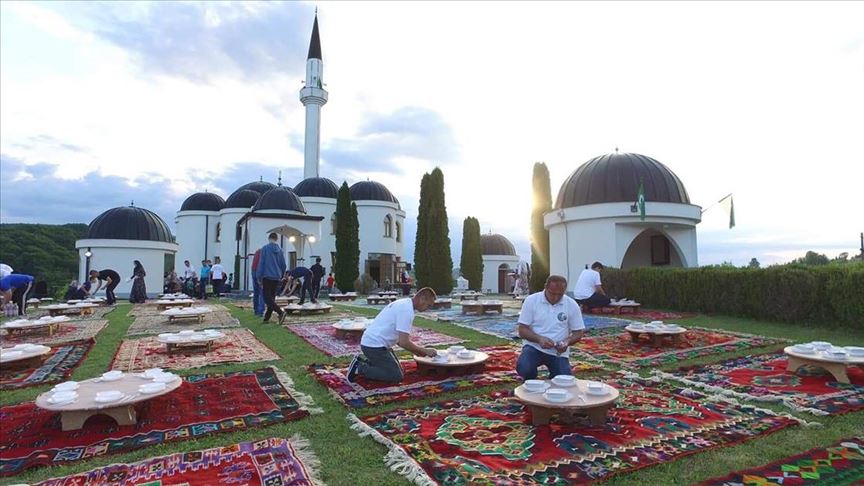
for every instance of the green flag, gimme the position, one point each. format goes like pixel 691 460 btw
pixel 640 201
pixel 729 204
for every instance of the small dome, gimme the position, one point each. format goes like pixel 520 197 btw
pixel 317 187
pixel 281 198
pixel 242 198
pixel 129 223
pixel 203 201
pixel 258 186
pixel 616 177
pixel 371 191
pixel 496 245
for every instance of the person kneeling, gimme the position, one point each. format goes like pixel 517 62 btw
pixel 392 326
pixel 550 322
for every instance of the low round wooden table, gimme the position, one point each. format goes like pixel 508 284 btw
pixel 482 307
pixel 168 304
pixel 837 367
pixel 34 303
pixel 197 342
pixel 25 360
pixel 343 297
pixel 656 335
pixel 298 309
pixel 70 310
pixel 471 296
pixel 632 307
pixel 191 313
pixel 289 300
pixel 35 326
pixel 386 299
pixel 453 365
pixel 442 304
pixel 73 415
pixel 351 330
pixel 595 407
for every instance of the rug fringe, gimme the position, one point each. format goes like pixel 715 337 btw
pixel 306 402
pixel 303 450
pixel 397 459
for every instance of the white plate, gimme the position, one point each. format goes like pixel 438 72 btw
pixel 803 350
pixel 542 389
pixel 12 354
pixel 112 377
pixel 565 398
pixel 165 378
pixel 598 393
pixel 560 382
pixel 107 399
pixel 152 388
pixel 66 386
pixel 61 402
pixel 855 351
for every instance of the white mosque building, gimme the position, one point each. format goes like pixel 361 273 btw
pixel 499 262
pixel 233 228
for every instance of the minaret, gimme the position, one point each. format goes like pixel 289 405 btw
pixel 313 97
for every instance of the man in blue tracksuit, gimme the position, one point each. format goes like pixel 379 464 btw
pixel 306 275
pixel 14 288
pixel 271 267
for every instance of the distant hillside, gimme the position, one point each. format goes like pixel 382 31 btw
pixel 45 251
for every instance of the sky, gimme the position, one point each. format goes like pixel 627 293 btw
pixel 102 104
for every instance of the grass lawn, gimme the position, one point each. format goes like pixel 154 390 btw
pixel 346 459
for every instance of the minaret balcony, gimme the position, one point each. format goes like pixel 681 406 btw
pixel 316 96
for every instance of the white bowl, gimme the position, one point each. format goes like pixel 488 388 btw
pixel 656 323
pixel 855 351
pixel 66 386
pixel 440 358
pixel 557 395
pixel 155 387
pixel 65 400
pixel 108 396
pixel 11 354
pixel 804 349
pixel 112 375
pixel 165 378
pixel 455 349
pixel 186 332
pixel 534 385
pixel 465 354
pixel 153 372
pixel 820 345
pixel 62 396
pixel 564 380
pixel 596 386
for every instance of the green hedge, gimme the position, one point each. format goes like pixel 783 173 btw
pixel 826 294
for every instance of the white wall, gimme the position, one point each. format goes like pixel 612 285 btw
pixel 118 255
pixel 191 228
pixel 326 243
pixel 370 215
pixel 490 270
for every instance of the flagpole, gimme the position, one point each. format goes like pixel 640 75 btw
pixel 718 202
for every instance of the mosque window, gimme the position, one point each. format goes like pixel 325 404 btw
pixel 398 232
pixel 388 226
pixel 333 224
pixel 218 232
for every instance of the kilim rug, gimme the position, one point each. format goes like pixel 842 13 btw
pixel 203 405
pixel 238 346
pixel 614 346
pixel 156 324
pixel 293 319
pixel 500 368
pixel 59 365
pixel 151 309
pixel 764 378
pixel 266 462
pixel 323 338
pixel 490 440
pixel 652 315
pixel 72 331
pixel 505 327
pixel 840 464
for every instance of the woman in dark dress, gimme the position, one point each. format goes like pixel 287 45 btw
pixel 139 290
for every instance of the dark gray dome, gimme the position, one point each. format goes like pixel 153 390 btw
pixel 615 178
pixel 258 186
pixel 242 198
pixel 203 201
pixel 496 245
pixel 129 223
pixel 281 198
pixel 316 187
pixel 371 191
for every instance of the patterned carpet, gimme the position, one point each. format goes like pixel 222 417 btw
pixel 58 366
pixel 203 405
pixel 500 368
pixel 323 338
pixel 68 332
pixel 156 324
pixel 505 327
pixel 239 346
pixel 840 464
pixel 490 440
pixel 271 461
pixel 764 378
pixel 152 309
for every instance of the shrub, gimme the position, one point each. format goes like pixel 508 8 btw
pixel 364 284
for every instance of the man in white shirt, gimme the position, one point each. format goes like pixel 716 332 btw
pixel 550 322
pixel 392 326
pixel 188 270
pixel 589 290
pixel 217 276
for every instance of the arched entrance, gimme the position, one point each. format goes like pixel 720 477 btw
pixel 652 248
pixel 503 280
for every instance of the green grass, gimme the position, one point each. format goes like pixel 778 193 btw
pixel 349 460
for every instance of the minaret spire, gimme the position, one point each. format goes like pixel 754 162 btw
pixel 315 42
pixel 313 96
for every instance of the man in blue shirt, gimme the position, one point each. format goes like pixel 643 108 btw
pixel 204 280
pixel 271 267
pixel 14 288
pixel 306 275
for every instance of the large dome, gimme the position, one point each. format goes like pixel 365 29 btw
pixel 371 191
pixel 242 198
pixel 258 186
pixel 203 201
pixel 616 177
pixel 129 223
pixel 494 244
pixel 317 187
pixel 280 198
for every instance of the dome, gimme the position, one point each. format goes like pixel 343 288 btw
pixel 258 186
pixel 203 201
pixel 316 187
pixel 242 198
pixel 371 191
pixel 129 223
pixel 496 245
pixel 281 198
pixel 615 178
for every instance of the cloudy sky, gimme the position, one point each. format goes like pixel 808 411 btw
pixel 105 103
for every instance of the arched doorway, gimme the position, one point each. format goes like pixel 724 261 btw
pixel 652 248
pixel 503 271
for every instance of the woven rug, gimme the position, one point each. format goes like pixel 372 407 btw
pixel 323 338
pixel 239 346
pixel 69 332
pixel 156 324
pixel 203 405
pixel 764 378
pixel 840 464
pixel 151 309
pixel 59 365
pixel 490 440
pixel 295 319
pixel 652 315
pixel 505 327
pixel 271 461
pixel 614 346
pixel 500 368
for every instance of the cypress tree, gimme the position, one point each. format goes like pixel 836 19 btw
pixel 440 269
pixel 347 264
pixel 421 252
pixel 354 253
pixel 542 203
pixel 471 262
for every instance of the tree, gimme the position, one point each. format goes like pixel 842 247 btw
pixel 471 263
pixel 47 252
pixel 434 264
pixel 754 263
pixel 812 258
pixel 421 246
pixel 542 203
pixel 347 266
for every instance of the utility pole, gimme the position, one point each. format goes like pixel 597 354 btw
pixel 862 246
